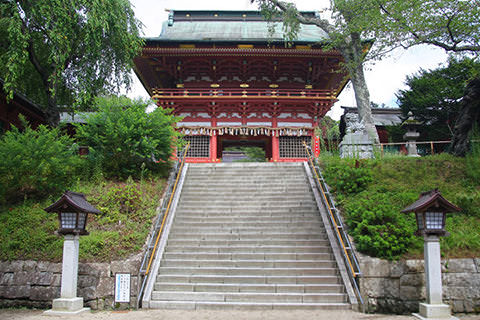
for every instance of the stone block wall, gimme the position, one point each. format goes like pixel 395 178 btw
pixel 37 283
pixel 398 286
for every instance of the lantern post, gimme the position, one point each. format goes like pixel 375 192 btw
pixel 430 213
pixel 72 209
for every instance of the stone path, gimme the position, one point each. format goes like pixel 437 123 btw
pixel 8 314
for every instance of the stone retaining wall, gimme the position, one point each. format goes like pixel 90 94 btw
pixel 37 283
pixel 398 286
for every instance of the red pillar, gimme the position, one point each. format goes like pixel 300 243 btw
pixel 213 143
pixel 275 145
pixel 213 148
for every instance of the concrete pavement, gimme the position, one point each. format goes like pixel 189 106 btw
pixel 12 314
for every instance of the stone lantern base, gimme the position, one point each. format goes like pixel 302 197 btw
pixel 64 306
pixel 434 312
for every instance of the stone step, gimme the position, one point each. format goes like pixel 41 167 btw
pixel 227 190
pixel 241 175
pixel 248 197
pixel 251 279
pixel 256 243
pixel 247 287
pixel 248 236
pixel 249 256
pixel 259 215
pixel 241 224
pixel 201 305
pixel 317 235
pixel 245 230
pixel 246 297
pixel 249 208
pixel 260 203
pixel 180 263
pixel 242 218
pixel 228 186
pixel 249 249
pixel 243 212
pixel 248 271
pixel 236 181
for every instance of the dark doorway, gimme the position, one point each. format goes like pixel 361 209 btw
pixel 227 141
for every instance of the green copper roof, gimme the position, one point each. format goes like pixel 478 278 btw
pixel 229 26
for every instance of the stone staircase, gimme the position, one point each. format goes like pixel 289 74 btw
pixel 248 235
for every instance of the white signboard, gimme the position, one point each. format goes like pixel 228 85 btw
pixel 122 287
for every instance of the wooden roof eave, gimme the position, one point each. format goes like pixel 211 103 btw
pixel 274 52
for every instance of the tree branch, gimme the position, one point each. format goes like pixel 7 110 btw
pixel 421 39
pixel 321 23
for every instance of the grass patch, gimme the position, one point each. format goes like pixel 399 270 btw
pixel 128 209
pixel 372 193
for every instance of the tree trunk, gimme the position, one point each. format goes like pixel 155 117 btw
pixel 354 57
pixel 468 117
pixel 52 115
pixel 362 98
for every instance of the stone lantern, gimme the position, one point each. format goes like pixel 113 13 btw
pixel 72 209
pixel 412 134
pixel 430 210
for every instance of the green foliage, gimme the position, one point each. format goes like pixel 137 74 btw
pixel 36 163
pixel 373 215
pixel 469 202
pixel 464 238
pixel 28 231
pixel 329 133
pixel 128 209
pixel 473 158
pixel 377 226
pixel 450 25
pixel 72 50
pixel 434 97
pixel 126 140
pixel 348 176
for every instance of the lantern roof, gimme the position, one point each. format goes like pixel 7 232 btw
pixel 75 200
pixel 429 199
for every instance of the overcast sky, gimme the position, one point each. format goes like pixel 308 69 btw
pixel 384 78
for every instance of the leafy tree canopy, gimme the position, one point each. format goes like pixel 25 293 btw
pixel 435 96
pixel 125 140
pixel 60 52
pixel 449 24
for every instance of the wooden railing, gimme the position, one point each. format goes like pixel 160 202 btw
pixel 241 93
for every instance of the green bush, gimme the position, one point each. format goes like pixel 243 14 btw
pixel 126 140
pixel 378 227
pixel 469 203
pixel 472 159
pixel 348 176
pixel 36 163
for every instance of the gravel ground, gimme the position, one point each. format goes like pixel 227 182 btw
pixel 12 314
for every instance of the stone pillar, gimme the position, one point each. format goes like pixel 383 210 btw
pixel 356 143
pixel 434 307
pixel 411 137
pixel 69 303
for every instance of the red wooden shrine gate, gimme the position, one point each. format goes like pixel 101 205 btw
pixel 235 84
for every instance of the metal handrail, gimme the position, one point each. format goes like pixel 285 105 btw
pixel 348 252
pixel 160 223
